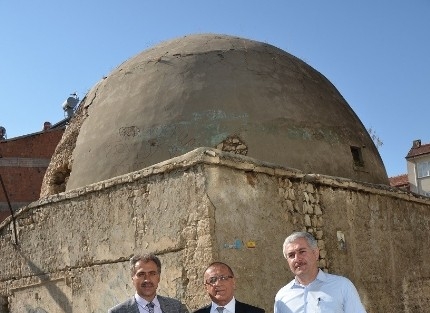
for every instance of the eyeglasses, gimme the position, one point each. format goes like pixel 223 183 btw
pixel 212 280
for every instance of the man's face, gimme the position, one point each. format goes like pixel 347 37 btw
pixel 221 291
pixel 303 261
pixel 146 279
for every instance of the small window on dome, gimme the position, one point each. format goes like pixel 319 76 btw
pixel 357 157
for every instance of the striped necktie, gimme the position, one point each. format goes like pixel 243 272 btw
pixel 150 307
pixel 220 309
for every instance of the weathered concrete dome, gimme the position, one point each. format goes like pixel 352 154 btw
pixel 232 93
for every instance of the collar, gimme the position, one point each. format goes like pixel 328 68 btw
pixel 144 302
pixel 321 276
pixel 230 307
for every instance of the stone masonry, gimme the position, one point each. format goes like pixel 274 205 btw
pixel 73 248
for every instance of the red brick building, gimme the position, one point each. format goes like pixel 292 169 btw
pixel 400 181
pixel 23 163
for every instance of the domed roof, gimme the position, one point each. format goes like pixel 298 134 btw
pixel 232 93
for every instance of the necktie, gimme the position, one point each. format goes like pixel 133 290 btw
pixel 150 307
pixel 220 309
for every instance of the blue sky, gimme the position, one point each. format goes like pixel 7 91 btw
pixel 376 53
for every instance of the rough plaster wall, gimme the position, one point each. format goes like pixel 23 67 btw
pixel 386 245
pixel 246 205
pixel 86 237
pixel 208 206
pixel 50 296
pixel 377 228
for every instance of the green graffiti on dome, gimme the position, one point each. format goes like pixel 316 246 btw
pixel 307 133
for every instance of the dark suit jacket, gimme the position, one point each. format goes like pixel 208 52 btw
pixel 239 308
pixel 168 305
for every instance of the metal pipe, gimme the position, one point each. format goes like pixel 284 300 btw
pixel 11 210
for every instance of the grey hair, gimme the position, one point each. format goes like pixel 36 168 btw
pixel 145 258
pixel 300 234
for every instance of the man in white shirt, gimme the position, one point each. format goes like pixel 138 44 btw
pixel 312 290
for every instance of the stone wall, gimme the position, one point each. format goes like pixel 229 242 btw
pixel 73 248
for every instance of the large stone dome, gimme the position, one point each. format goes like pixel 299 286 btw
pixel 232 93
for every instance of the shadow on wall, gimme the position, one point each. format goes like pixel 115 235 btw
pixel 58 296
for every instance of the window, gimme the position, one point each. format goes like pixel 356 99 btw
pixel 357 156
pixel 423 169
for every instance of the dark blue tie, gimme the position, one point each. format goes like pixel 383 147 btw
pixel 150 306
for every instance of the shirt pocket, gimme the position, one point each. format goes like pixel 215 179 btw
pixel 326 305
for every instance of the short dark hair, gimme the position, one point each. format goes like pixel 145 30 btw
pixel 145 258
pixel 218 263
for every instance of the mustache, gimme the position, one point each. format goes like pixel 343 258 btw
pixel 147 284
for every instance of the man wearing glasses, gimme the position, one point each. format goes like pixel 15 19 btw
pixel 145 273
pixel 220 285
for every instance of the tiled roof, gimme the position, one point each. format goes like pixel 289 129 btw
pixel 420 150
pixel 399 181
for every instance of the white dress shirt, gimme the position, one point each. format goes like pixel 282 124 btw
pixel 228 308
pixel 141 303
pixel 327 293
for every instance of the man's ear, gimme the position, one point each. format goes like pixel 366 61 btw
pixel 317 253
